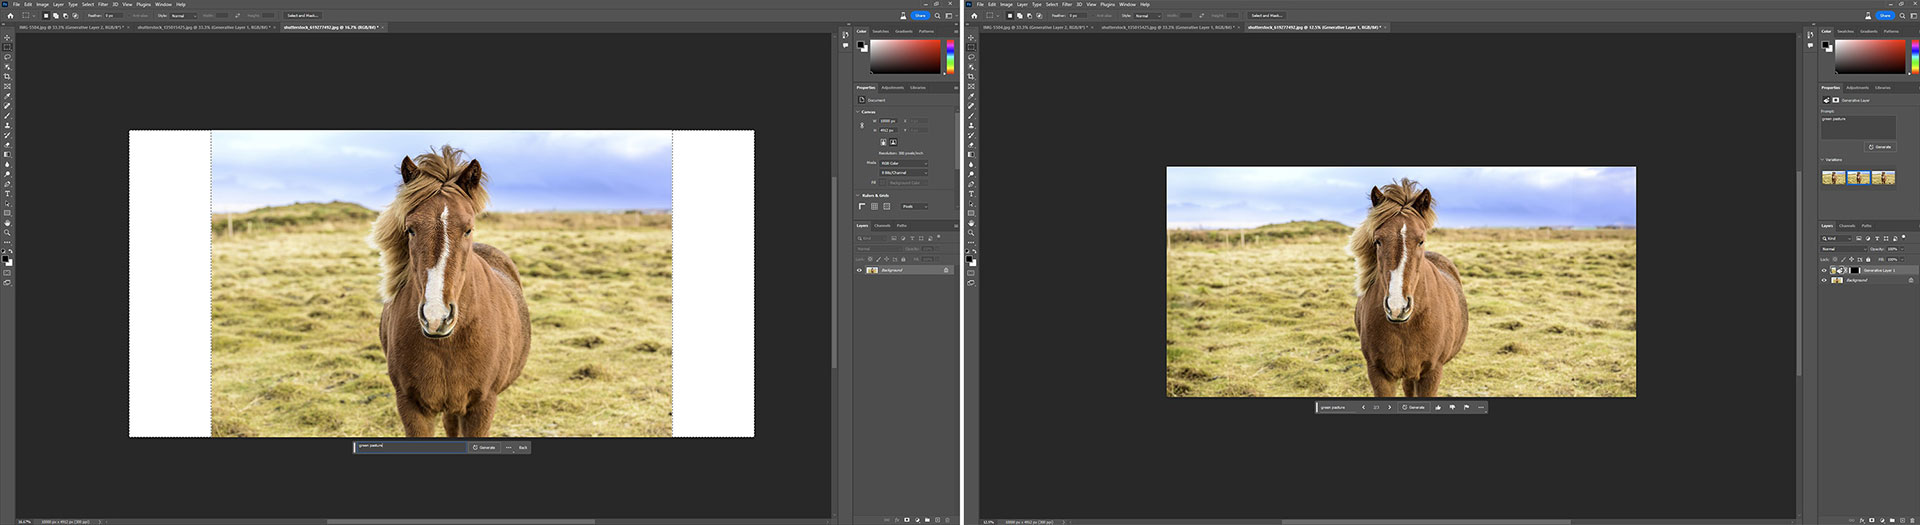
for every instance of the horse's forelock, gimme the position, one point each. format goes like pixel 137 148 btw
pixel 436 173
pixel 1396 200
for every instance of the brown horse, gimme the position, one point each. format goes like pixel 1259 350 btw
pixel 455 328
pixel 1412 314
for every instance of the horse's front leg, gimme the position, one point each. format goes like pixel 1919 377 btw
pixel 1429 383
pixel 414 420
pixel 1382 387
pixel 478 420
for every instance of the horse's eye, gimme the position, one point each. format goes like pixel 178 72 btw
pixel 409 231
pixel 469 232
pixel 1423 242
pixel 1376 243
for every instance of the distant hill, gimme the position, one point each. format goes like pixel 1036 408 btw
pixel 1301 229
pixel 295 216
pixel 1335 232
pixel 308 217
pixel 1280 231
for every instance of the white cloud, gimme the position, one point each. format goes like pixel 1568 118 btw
pixel 533 169
pixel 1467 196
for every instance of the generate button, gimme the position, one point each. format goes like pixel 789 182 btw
pixel 1879 146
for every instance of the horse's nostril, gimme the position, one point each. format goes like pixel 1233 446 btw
pixel 1398 314
pixel 443 325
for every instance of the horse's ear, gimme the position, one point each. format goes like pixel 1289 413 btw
pixel 1423 202
pixel 1376 196
pixel 470 177
pixel 407 170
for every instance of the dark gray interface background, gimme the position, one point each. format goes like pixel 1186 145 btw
pixel 1846 334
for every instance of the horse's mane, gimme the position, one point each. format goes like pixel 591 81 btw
pixel 1396 200
pixel 434 174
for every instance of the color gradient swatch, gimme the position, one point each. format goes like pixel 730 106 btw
pixel 1870 57
pixel 950 56
pixel 892 57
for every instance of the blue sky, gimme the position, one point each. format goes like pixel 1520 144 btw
pixel 1238 197
pixel 527 170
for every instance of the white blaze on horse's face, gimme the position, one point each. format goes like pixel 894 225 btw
pixel 435 316
pixel 1398 304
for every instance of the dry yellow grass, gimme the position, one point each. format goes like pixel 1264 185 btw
pixel 1551 313
pixel 296 311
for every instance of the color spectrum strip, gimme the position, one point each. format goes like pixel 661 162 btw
pixel 906 57
pixel 1870 57
pixel 1913 57
pixel 950 55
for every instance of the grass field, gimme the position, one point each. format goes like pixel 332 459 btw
pixel 1268 312
pixel 296 311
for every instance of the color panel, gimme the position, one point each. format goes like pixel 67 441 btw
pixel 907 57
pixel 1870 57
pixel 950 56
